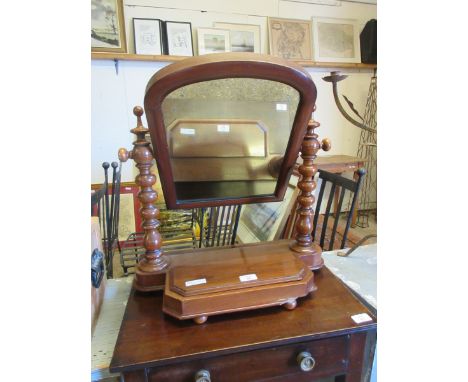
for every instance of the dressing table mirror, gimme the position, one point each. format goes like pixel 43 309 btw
pixel 227 129
pixel 226 140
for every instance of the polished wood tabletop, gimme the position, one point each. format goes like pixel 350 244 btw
pixel 149 338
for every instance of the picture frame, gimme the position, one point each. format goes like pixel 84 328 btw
pixel 336 40
pixel 130 218
pixel 148 36
pixel 243 37
pixel 290 38
pixel 213 40
pixel 266 221
pixel 129 211
pixel 178 38
pixel 107 26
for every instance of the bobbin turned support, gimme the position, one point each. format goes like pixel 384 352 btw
pixel 307 250
pixel 151 267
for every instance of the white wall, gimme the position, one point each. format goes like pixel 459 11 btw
pixel 114 95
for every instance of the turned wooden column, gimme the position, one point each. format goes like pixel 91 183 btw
pixel 151 267
pixel 307 250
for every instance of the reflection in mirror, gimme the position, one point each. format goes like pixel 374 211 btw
pixel 226 137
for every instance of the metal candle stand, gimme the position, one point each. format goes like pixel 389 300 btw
pixel 367 147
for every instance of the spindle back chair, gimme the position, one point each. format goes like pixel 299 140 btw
pixel 321 232
pixel 344 184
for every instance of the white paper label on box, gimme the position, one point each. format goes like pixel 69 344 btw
pixel 195 282
pixel 187 131
pixel 281 107
pixel 250 277
pixel 362 317
pixel 224 128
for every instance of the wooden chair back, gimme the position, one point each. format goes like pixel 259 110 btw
pixel 325 234
pixel 218 225
pixel 344 184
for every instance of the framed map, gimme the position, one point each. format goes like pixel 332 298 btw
pixel 290 39
pixel 336 40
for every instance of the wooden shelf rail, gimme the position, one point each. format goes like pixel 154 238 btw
pixel 164 58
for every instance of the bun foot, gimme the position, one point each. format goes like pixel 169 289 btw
pixel 290 305
pixel 200 319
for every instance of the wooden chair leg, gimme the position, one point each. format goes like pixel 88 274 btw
pixel 356 209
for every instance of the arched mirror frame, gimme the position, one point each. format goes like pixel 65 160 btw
pixel 219 66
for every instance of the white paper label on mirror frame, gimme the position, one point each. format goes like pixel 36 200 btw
pixel 224 128
pixel 195 282
pixel 185 131
pixel 250 277
pixel 362 317
pixel 281 107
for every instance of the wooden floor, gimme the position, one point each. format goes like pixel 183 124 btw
pixel 354 234
pixel 371 229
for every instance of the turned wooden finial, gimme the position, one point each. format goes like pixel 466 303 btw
pixel 310 252
pixel 138 112
pixel 326 144
pixel 140 130
pixel 151 266
pixel 124 154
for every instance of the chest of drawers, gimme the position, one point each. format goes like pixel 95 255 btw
pixel 318 339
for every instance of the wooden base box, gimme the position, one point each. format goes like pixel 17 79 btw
pixel 235 279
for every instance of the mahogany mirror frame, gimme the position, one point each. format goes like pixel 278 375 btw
pixel 219 66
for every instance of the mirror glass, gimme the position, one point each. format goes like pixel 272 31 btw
pixel 224 136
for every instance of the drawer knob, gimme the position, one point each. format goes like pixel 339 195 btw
pixel 305 361
pixel 202 376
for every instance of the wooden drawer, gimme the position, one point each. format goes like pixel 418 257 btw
pixel 329 354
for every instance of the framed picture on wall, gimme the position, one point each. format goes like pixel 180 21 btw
pixel 178 38
pixel 336 40
pixel 107 26
pixel 243 37
pixel 290 38
pixel 213 40
pixel 148 36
